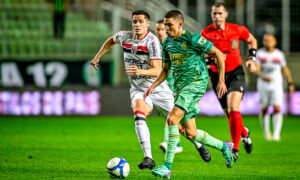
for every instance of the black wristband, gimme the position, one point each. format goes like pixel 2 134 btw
pixel 252 52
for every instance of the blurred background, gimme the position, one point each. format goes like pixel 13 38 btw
pixel 46 46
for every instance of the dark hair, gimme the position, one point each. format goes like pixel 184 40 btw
pixel 141 12
pixel 176 14
pixel 220 4
pixel 160 21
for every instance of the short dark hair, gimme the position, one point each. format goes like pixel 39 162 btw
pixel 176 14
pixel 160 21
pixel 141 12
pixel 220 4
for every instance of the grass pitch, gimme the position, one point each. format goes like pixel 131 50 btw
pixel 80 147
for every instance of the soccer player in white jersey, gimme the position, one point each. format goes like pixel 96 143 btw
pixel 143 63
pixel 271 64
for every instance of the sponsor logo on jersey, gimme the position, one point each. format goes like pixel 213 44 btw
pixel 183 45
pixel 234 44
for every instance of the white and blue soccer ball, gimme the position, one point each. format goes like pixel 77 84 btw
pixel 118 168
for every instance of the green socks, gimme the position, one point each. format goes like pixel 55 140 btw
pixel 206 139
pixel 172 142
pixel 166 136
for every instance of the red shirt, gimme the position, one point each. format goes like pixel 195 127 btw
pixel 227 41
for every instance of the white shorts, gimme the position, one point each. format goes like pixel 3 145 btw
pixel 163 101
pixel 272 97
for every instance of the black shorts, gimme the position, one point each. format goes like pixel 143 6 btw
pixel 234 80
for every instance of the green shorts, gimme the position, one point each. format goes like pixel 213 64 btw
pixel 188 99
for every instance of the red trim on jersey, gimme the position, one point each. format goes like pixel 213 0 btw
pixel 155 59
pixel 126 45
pixel 263 58
pixel 139 112
pixel 142 48
pixel 276 60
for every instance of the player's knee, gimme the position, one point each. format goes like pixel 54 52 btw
pixel 190 134
pixel 171 120
pixel 276 109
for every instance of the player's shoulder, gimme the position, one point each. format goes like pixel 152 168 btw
pixel 150 36
pixel 235 27
pixel 125 33
pixel 207 29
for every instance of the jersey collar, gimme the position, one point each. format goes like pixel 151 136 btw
pixel 143 37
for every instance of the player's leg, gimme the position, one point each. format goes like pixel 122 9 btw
pixel 236 87
pixel 264 101
pixel 173 120
pixel 202 150
pixel 141 109
pixel 277 98
pixel 163 102
pixel 194 134
pixel 237 128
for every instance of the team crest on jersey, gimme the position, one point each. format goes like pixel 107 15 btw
pixel 202 41
pixel 183 45
pixel 134 49
pixel 234 44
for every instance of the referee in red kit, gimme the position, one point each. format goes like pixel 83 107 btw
pixel 225 36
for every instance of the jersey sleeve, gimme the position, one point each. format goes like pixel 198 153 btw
pixel 258 57
pixel 165 55
pixel 154 49
pixel 119 37
pixel 283 60
pixel 201 44
pixel 243 33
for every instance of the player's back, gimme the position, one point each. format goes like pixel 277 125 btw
pixel 271 66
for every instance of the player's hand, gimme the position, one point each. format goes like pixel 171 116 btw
pixel 267 79
pixel 133 71
pixel 95 62
pixel 250 64
pixel 221 89
pixel 291 89
pixel 148 92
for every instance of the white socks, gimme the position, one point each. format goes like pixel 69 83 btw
pixel 277 124
pixel 143 133
pixel 265 122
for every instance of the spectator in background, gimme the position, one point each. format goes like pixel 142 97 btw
pixel 59 14
pixel 271 64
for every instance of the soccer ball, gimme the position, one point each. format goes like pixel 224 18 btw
pixel 118 168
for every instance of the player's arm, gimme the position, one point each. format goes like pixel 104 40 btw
pixel 252 47
pixel 108 44
pixel 221 87
pixel 287 74
pixel 260 74
pixel 153 72
pixel 162 76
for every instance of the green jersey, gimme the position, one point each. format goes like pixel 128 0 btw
pixel 169 79
pixel 187 57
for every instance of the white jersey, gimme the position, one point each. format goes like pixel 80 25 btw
pixel 140 53
pixel 271 65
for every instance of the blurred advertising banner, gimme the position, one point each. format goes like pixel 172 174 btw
pixel 52 73
pixel 209 104
pixel 111 101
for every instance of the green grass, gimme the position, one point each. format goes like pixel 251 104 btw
pixel 80 147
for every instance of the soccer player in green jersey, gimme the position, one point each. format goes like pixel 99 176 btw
pixel 184 53
pixel 160 32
